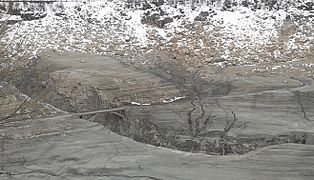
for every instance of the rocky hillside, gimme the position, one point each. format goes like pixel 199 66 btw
pixel 266 35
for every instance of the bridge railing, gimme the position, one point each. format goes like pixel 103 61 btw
pixel 116 111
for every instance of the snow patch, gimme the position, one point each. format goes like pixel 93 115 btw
pixel 140 104
pixel 172 99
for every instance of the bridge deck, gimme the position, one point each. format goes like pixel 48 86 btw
pixel 100 111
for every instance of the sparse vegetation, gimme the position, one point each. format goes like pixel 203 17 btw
pixel 14 105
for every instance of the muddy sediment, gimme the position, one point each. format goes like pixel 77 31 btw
pixel 209 119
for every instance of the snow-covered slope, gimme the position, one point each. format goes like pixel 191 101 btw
pixel 224 33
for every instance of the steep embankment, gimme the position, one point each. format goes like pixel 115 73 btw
pixel 268 36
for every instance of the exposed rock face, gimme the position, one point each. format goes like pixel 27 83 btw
pixel 158 2
pixel 155 19
pixel 28 11
pixel 32 16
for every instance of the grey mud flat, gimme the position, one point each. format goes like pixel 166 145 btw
pixel 79 149
pixel 69 148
